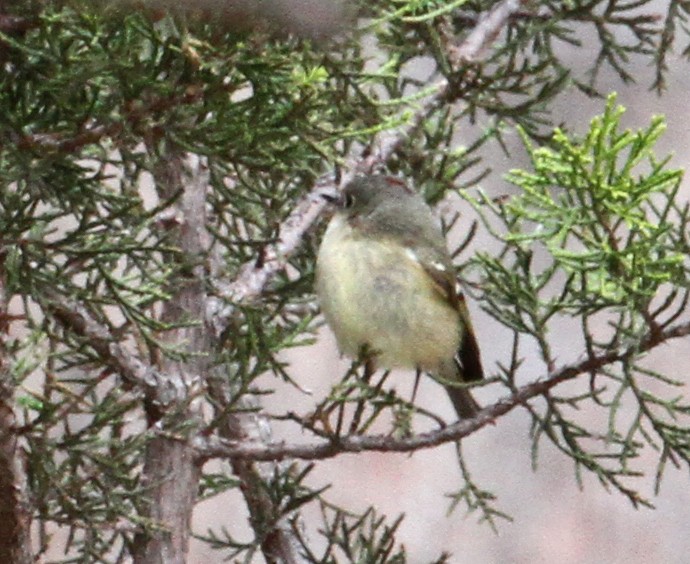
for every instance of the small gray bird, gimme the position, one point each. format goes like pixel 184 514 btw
pixel 386 284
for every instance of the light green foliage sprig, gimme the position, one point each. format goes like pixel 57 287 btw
pixel 605 209
pixel 596 239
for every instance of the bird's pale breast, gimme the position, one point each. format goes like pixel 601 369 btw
pixel 376 293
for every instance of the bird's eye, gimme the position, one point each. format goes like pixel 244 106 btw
pixel 348 201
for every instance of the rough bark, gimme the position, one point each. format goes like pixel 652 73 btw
pixel 15 509
pixel 171 474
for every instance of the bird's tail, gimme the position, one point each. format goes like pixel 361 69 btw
pixel 463 402
pixel 451 375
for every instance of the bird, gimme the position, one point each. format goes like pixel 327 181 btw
pixel 387 287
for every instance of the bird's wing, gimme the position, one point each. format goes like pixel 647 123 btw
pixel 441 271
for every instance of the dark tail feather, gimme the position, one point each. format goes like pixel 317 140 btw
pixel 463 402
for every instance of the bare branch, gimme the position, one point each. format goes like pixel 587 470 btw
pixel 476 45
pixel 385 443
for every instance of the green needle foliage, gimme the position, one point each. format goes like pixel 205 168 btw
pixel 598 234
pixel 150 160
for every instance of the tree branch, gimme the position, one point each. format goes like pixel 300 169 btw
pixel 208 448
pixel 59 142
pixel 254 275
pixel 77 318
pixel 15 507
pixel 173 385
pixel 170 475
pixel 475 46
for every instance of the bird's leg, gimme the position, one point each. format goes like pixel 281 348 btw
pixel 367 356
pixel 369 369
pixel 417 376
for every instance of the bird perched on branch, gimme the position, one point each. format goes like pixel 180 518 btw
pixel 387 286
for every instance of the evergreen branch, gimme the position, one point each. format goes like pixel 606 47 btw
pixel 472 49
pixel 93 134
pixel 255 274
pixel 154 288
pixel 75 317
pixel 474 46
pixel 335 446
